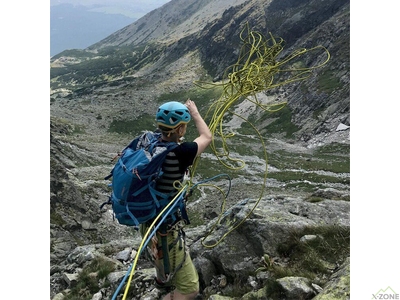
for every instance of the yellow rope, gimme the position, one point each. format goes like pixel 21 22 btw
pixel 233 227
pixel 257 69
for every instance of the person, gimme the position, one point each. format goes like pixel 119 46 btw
pixel 181 281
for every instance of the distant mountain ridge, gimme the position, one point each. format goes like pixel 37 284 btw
pixel 78 27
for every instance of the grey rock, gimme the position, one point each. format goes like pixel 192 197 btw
pixel 296 288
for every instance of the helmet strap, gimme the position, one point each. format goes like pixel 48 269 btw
pixel 170 132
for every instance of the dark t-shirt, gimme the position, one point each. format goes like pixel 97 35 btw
pixel 175 166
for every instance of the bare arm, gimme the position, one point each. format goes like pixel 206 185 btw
pixel 205 136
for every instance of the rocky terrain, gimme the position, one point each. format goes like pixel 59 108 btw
pixel 283 232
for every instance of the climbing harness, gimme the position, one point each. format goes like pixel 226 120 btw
pixel 151 231
pixel 159 255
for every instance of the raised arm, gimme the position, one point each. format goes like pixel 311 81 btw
pixel 205 136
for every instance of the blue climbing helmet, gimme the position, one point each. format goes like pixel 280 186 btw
pixel 171 114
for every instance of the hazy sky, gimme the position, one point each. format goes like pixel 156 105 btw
pixel 131 8
pixel 155 3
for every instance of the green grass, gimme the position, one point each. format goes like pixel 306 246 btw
pixel 69 128
pixel 333 149
pixel 314 256
pixel 56 219
pixel 81 54
pixel 109 63
pixel 314 259
pixel 328 82
pixel 333 158
pixel 282 123
pixel 200 96
pixel 89 278
pixel 287 176
pixel 133 127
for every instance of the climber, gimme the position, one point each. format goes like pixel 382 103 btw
pixel 176 274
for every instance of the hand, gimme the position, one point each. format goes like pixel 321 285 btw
pixel 191 107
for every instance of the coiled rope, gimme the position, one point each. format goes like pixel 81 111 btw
pixel 257 69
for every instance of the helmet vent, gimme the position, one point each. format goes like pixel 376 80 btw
pixel 171 114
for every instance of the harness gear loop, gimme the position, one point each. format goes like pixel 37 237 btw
pixel 160 257
pixel 165 250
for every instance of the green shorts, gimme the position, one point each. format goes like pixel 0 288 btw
pixel 186 278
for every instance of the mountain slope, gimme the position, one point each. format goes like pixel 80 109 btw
pixel 205 37
pixel 174 21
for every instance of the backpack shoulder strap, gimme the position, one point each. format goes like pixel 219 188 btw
pixel 155 140
pixel 141 141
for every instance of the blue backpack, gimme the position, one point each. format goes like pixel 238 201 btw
pixel 134 198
